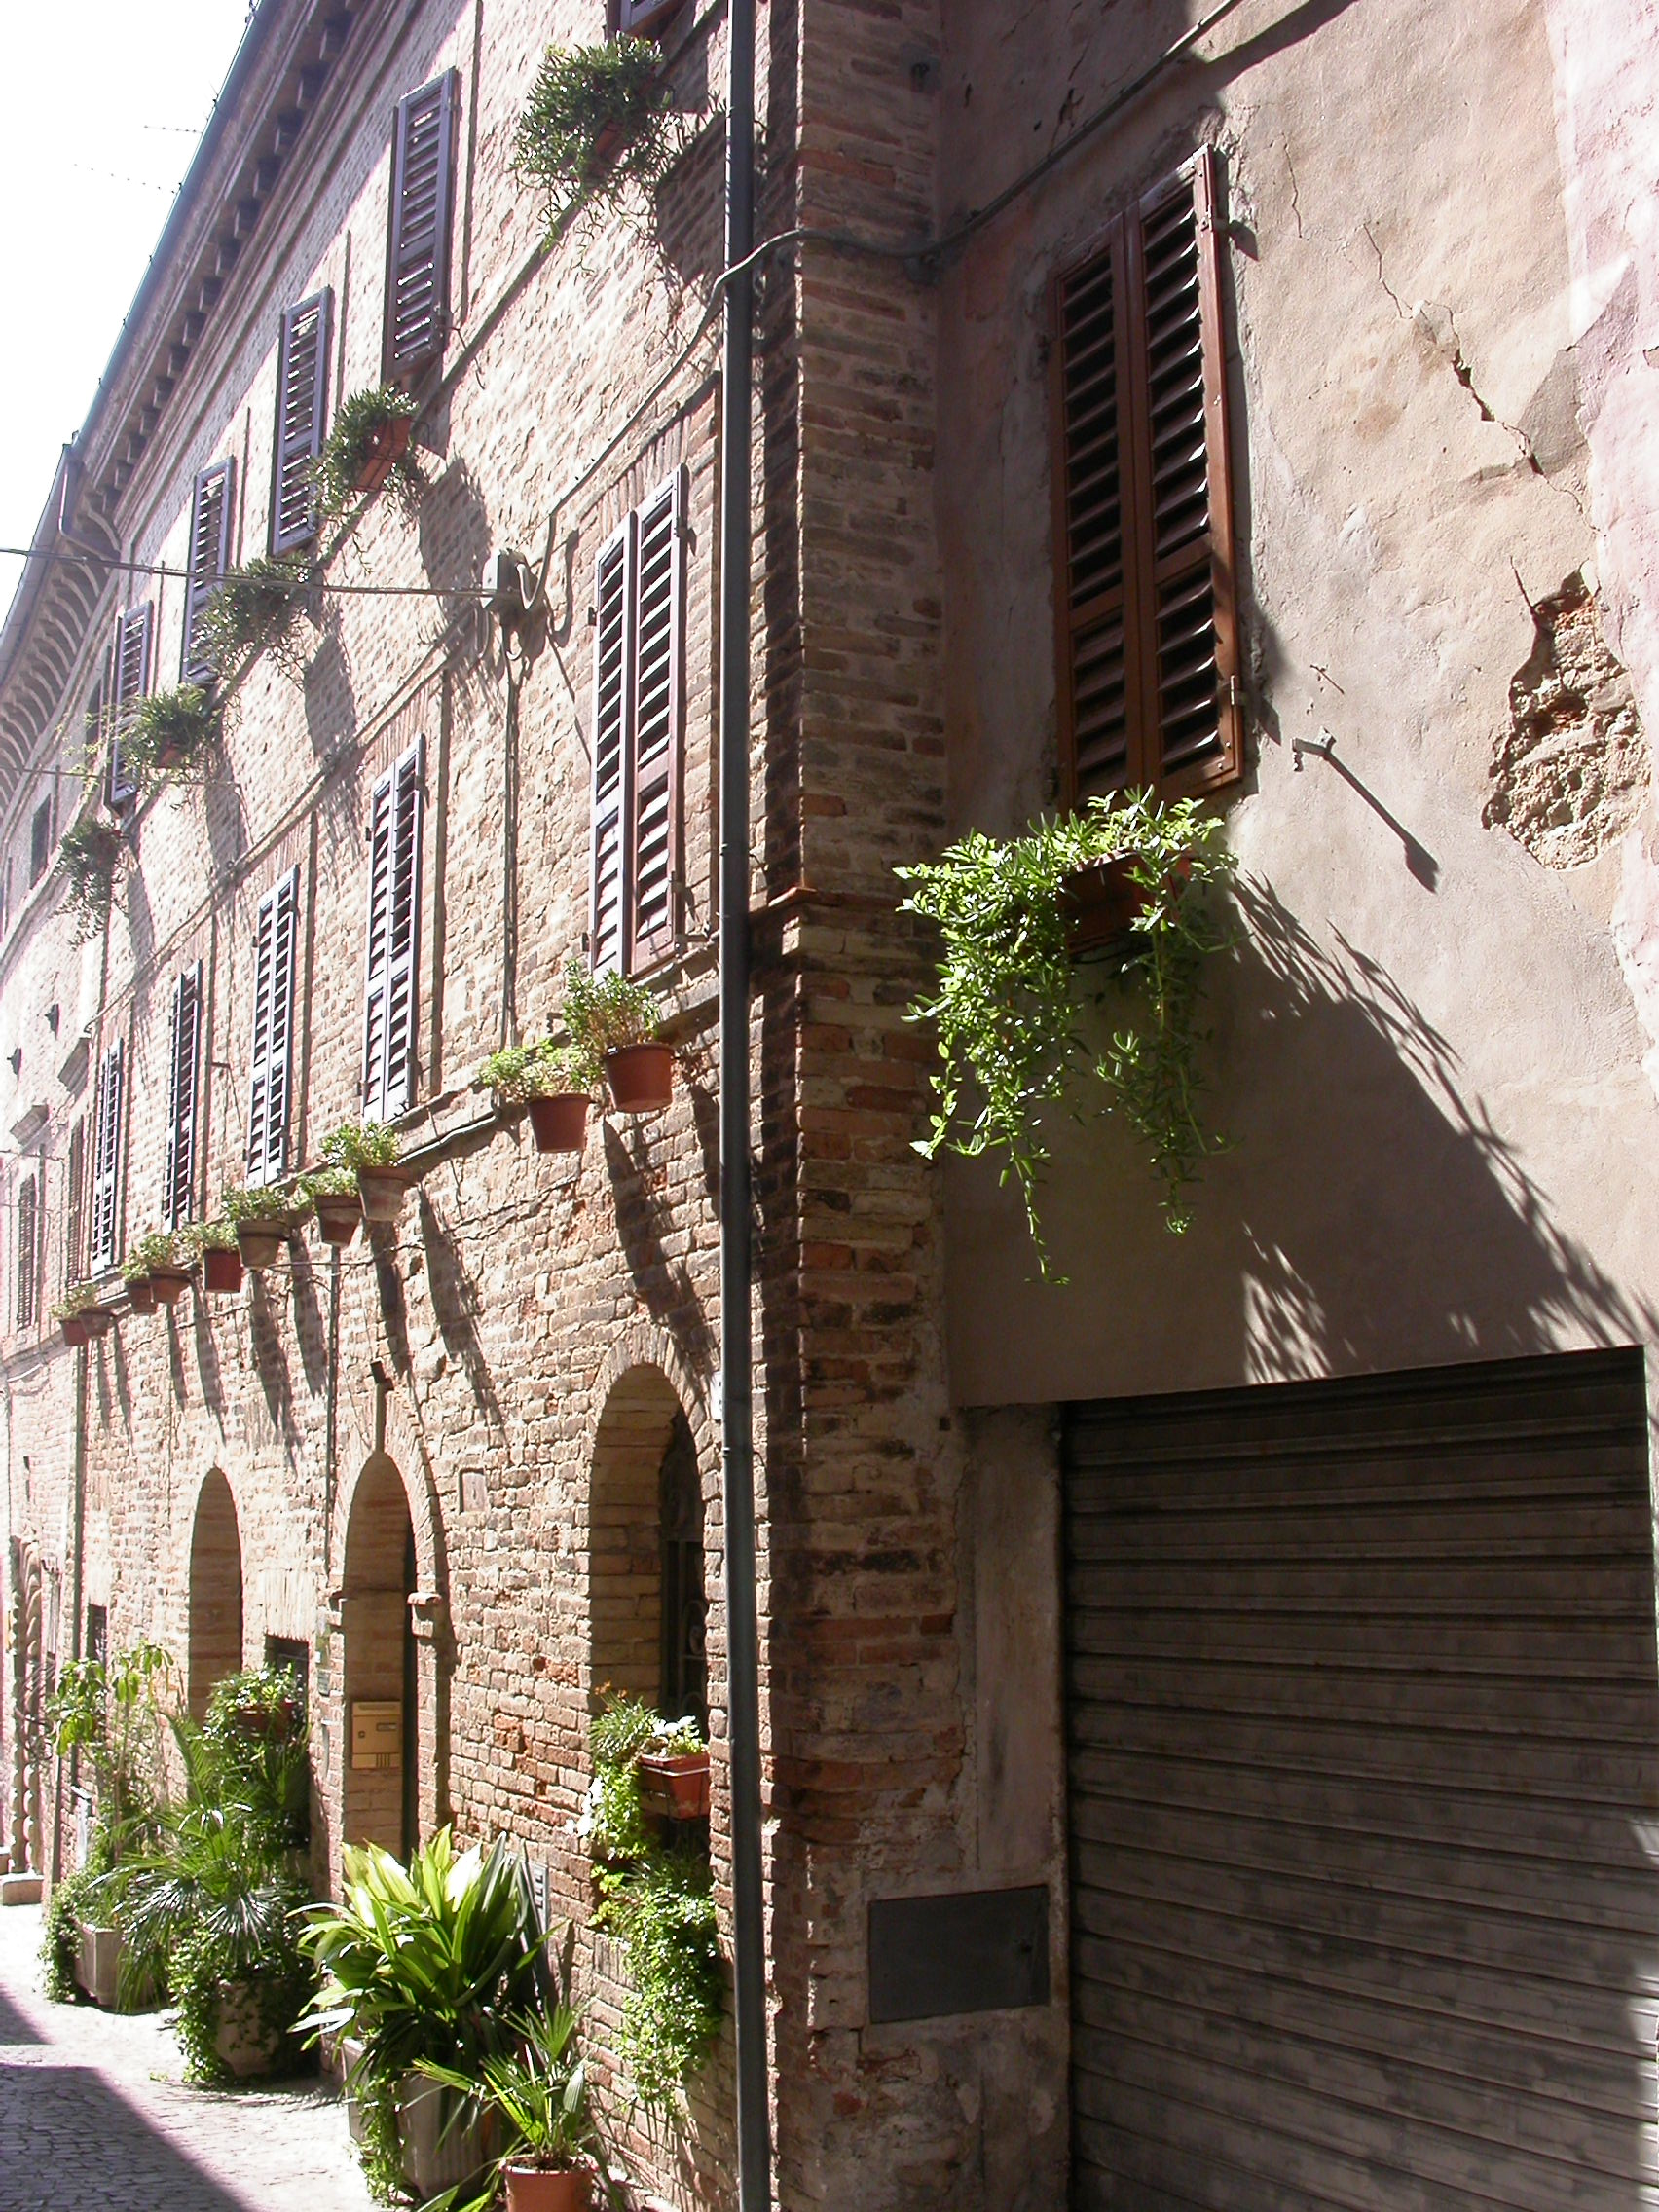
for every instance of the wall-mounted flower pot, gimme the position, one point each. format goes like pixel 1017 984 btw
pixel 168 1284
pixel 1100 902
pixel 387 444
pixel 641 1077
pixel 169 757
pixel 141 1293
pixel 259 1242
pixel 675 1785
pixel 548 2189
pixel 221 1268
pixel 338 1220
pixel 74 1330
pixel 382 1191
pixel 559 1123
pixel 99 1321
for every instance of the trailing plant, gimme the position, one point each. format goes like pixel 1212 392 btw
pixel 361 1144
pixel 540 1070
pixel 605 1013
pixel 538 2093
pixel 358 420
pixel 255 609
pixel 71 1901
pixel 1009 1007
pixel 160 1248
pixel 77 1299
pixel 164 731
pixel 86 860
pixel 598 123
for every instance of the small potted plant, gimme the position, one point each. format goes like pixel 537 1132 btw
pixel 74 1314
pixel 368 1150
pixel 598 120
pixel 86 860
pixel 553 1083
pixel 369 440
pixel 167 731
pixel 161 1262
pixel 264 1217
pixel 538 2094
pixel 214 1244
pixel 252 611
pixel 673 1774
pixel 333 1192
pixel 135 1276
pixel 615 1021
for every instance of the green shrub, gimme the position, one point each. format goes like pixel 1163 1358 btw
pixel 361 1144
pixel 604 1012
pixel 164 731
pixel 85 860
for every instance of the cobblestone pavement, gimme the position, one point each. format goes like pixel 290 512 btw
pixel 94 2116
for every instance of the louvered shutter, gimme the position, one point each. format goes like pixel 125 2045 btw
pixel 301 392
pixel 276 936
pixel 1144 587
pixel 180 1170
pixel 654 785
pixel 210 518
pixel 130 680
pixel 612 734
pixel 28 1250
pixel 107 1160
pixel 391 979
pixel 423 169
pixel 75 1209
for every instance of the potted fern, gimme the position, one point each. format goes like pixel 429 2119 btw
pixel 333 1193
pixel 369 441
pixel 367 1151
pixel 615 1021
pixel 599 121
pixel 214 1246
pixel 264 1217
pixel 165 732
pixel 553 1083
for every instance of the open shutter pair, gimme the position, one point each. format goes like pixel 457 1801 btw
pixel 422 189
pixel 1145 597
pixel 178 1179
pixel 637 726
pixel 129 681
pixel 210 518
pixel 106 1159
pixel 275 937
pixel 302 393
pixel 391 975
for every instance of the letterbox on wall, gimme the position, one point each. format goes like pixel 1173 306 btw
pixel 377 1732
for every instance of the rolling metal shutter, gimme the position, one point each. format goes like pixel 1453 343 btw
pixel 1364 1768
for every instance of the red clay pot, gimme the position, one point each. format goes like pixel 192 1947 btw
pixel 168 1284
pixel 338 1220
pixel 260 1244
pixel 141 1292
pixel 542 2188
pixel 381 1190
pixel 674 1784
pixel 559 1123
pixel 221 1269
pixel 74 1329
pixel 641 1077
pixel 98 1320
pixel 389 442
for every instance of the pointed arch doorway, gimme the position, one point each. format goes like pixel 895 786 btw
pixel 380 1794
pixel 215 1592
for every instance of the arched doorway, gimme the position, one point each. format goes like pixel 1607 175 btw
pixel 380 1799
pixel 215 1592
pixel 646 1594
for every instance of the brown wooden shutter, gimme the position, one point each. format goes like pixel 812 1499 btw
pixel 75 1207
pixel 40 841
pixel 613 717
pixel 28 1250
pixel 392 995
pixel 276 936
pixel 129 684
pixel 107 1160
pixel 302 392
pixel 178 1177
pixel 1145 599
pixel 422 173
pixel 653 779
pixel 210 518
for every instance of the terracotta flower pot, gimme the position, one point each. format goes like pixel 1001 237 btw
pixel 549 2189
pixel 259 1242
pixel 338 1220
pixel 74 1330
pixel 168 1284
pixel 97 1321
pixel 170 756
pixel 387 444
pixel 382 1191
pixel 674 1784
pixel 1100 902
pixel 641 1077
pixel 559 1123
pixel 221 1269
pixel 141 1293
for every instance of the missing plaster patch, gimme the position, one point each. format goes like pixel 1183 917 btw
pixel 1570 773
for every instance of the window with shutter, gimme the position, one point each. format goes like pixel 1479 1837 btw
pixel 75 1205
pixel 1144 588
pixel 129 683
pixel 301 392
pixel 106 1161
pixel 636 742
pixel 275 937
pixel 28 1250
pixel 423 174
pixel 391 992
pixel 40 841
pixel 179 1174
pixel 638 19
pixel 210 519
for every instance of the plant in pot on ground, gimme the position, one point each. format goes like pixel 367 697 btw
pixel 1010 1008
pixel 264 1216
pixel 368 1150
pixel 599 125
pixel 256 609
pixel 368 448
pixel 430 1962
pixel 615 1021
pixel 553 2147
pixel 213 1245
pixel 86 860
pixel 167 731
pixel 555 1085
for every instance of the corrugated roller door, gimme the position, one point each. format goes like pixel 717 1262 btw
pixel 1363 1722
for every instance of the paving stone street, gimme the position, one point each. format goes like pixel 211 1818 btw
pixel 94 2116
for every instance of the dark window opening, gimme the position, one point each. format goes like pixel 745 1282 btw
pixel 40 841
pixel 685 1607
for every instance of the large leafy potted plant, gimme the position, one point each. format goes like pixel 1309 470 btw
pixel 553 1083
pixel 599 121
pixel 333 1194
pixel 85 860
pixel 615 1022
pixel 537 2093
pixel 368 1150
pixel 157 1268
pixel 1010 1007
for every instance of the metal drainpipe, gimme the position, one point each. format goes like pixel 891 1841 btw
pixel 737 1427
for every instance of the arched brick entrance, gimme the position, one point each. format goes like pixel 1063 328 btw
pixel 215 1592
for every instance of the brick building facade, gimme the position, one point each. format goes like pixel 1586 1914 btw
pixel 435 1460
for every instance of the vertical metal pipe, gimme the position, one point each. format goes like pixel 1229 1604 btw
pixel 753 2132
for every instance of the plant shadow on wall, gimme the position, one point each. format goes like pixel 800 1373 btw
pixel 456 1308
pixel 268 1347
pixel 331 700
pixel 454 525
pixel 644 1209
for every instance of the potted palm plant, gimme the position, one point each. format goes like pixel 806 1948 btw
pixel 537 2093
pixel 214 1244
pixel 616 1022
pixel 367 1152
pixel 553 1083
pixel 264 1216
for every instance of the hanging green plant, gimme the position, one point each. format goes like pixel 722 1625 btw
pixel 256 609
pixel 1008 1008
pixel 86 860
pixel 366 450
pixel 167 731
pixel 539 1070
pixel 599 124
